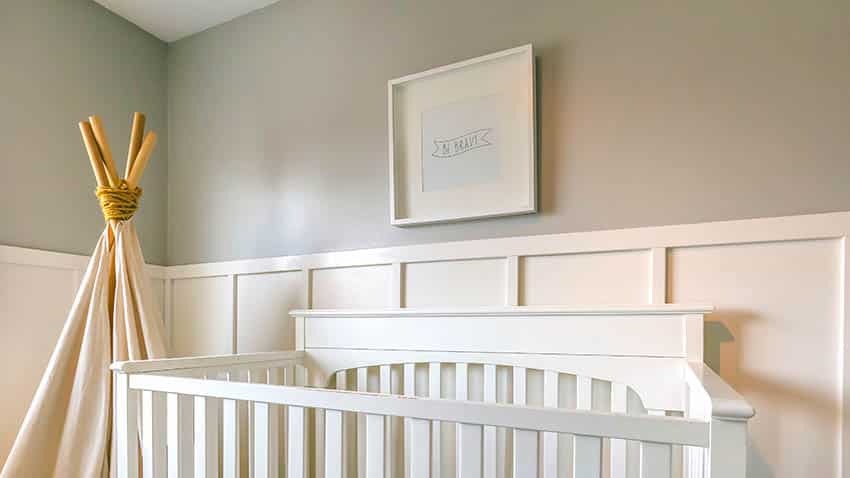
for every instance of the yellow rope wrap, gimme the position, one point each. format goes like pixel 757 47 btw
pixel 118 203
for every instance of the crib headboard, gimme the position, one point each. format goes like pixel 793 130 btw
pixel 642 346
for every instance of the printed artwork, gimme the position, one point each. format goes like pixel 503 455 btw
pixel 460 144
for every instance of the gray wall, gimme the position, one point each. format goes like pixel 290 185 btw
pixel 63 60
pixel 657 113
pixel 651 113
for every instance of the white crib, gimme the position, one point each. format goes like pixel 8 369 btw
pixel 615 392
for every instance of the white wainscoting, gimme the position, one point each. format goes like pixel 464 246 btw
pixel 779 285
pixel 37 289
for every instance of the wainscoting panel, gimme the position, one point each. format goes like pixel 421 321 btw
pixel 203 316
pixel 436 284
pixel 774 338
pixel 606 278
pixel 34 302
pixel 263 304
pixel 351 287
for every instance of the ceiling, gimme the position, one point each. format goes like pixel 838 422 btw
pixel 171 20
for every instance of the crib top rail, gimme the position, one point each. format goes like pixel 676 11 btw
pixel 656 429
pixel 724 402
pixel 208 362
pixel 513 311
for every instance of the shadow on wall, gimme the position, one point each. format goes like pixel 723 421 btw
pixel 715 334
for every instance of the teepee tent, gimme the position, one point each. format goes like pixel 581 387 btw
pixel 67 430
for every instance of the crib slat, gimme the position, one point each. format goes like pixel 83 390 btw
pixel 342 384
pixel 420 456
pixel 179 423
pixel 127 441
pixel 297 466
pixel 587 451
pixel 334 463
pixel 362 386
pixel 206 437
pixel 655 460
pixel 550 440
pixel 434 388
pixel 276 421
pixel 375 446
pixel 409 390
pixel 619 404
pixel 489 441
pixel 525 441
pixel 389 442
pixel 153 434
pixel 265 441
pixel 469 451
pixel 230 439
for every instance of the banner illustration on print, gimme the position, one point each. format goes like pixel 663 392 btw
pixel 450 148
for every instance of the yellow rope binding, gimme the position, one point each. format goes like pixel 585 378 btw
pixel 118 203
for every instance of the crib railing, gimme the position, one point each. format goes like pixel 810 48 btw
pixel 713 432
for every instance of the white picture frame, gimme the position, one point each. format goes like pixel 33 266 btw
pixel 462 140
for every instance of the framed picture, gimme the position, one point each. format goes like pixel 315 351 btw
pixel 462 140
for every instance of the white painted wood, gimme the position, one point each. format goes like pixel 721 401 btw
pixel 264 301
pixel 385 386
pixel 434 391
pixel 206 437
pixel 658 275
pixel 37 289
pixel 525 453
pixel 469 444
pixel 645 335
pixel 798 230
pixel 351 287
pixel 126 416
pixel 203 364
pixel 489 453
pixel 598 424
pixel 154 444
pixel 512 277
pixel 550 440
pixel 266 436
pixel 585 278
pixel 420 449
pixel 728 451
pixel 397 285
pixel 656 461
pixel 230 439
pixel 348 429
pixel 409 390
pixel 180 425
pixel 440 284
pixel 619 404
pixel 334 457
pixel 362 386
pixel 234 312
pixel 587 450
pixel 375 446
pixel 296 450
pixel 203 319
pixel 524 441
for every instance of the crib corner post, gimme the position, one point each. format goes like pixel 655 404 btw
pixel 728 448
pixel 126 441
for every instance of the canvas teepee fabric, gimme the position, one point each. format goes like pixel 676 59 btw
pixel 67 429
